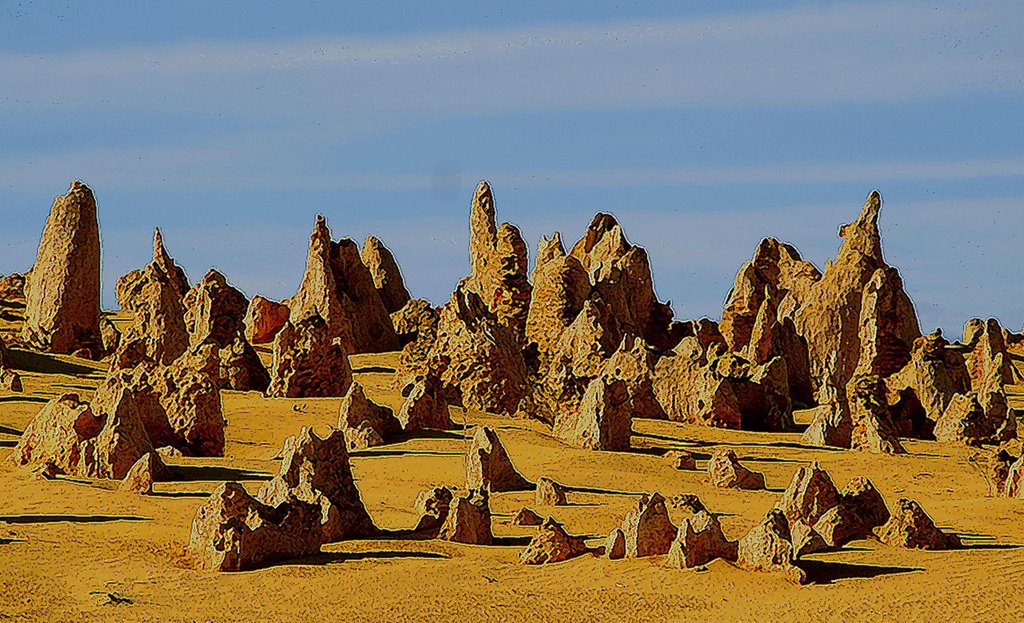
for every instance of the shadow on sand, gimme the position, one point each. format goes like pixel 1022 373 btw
pixel 331 558
pixel 824 572
pixel 214 473
pixel 37 519
pixel 180 494
pixel 374 370
pixel 40 399
pixel 385 453
pixel 47 364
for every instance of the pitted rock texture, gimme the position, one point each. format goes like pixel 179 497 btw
pixel 62 291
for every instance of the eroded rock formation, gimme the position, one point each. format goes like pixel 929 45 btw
pixel 317 471
pixel 62 291
pixel 233 531
pixel 387 277
pixel 338 288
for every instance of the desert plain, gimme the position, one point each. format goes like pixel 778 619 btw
pixel 820 371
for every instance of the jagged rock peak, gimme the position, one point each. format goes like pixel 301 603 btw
pixel 862 235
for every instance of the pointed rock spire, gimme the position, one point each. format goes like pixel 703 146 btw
pixel 498 264
pixel 339 288
pixel 62 292
pixel 387 277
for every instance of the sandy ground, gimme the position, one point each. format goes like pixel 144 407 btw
pixel 74 550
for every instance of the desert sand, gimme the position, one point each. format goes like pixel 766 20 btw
pixel 77 548
pixel 73 549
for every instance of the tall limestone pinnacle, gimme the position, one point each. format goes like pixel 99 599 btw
pixel 62 292
pixel 831 317
pixel 163 261
pixel 862 236
pixel 339 288
pixel 498 264
pixel 387 277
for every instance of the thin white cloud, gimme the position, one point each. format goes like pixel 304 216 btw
pixel 841 53
pixel 221 167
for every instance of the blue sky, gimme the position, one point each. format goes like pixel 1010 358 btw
pixel 231 124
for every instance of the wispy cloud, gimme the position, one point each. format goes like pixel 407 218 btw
pixel 224 168
pixel 844 52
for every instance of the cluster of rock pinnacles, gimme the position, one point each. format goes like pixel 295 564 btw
pixel 582 344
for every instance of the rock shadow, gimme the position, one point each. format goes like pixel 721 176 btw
pixel 16 398
pixel 386 453
pixel 42 363
pixel 827 572
pixel 213 473
pixel 331 558
pixel 374 370
pixel 38 519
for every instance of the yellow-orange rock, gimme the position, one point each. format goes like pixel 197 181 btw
pixel 62 291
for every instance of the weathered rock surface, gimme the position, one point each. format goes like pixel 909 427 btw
pixel 215 314
pixel 433 506
pixel 526 517
pixel 480 356
pixel 988 363
pixel 338 288
pixel 155 297
pixel 872 429
pixel 387 277
pixel 832 315
pixel 188 392
pixel 552 544
pixel 634 363
pixel 317 471
pixel 469 520
pixel 805 540
pixel 615 545
pixel 62 291
pixel 560 288
pixel 233 531
pixel 72 438
pixel 699 541
pixel 810 495
pixel 839 525
pixel 776 272
pixel 365 423
pixel 647 528
pixel 264 318
pixel 680 459
pixel 767 547
pixel 10 381
pixel 861 496
pixel 143 474
pixel 498 265
pixel 425 406
pixel 933 376
pixel 725 470
pixel 488 465
pixel 604 419
pixel 1013 486
pixel 888 325
pixel 832 426
pixel 910 527
pixel 777 337
pixel 620 273
pixel 963 421
pixel 703 384
pixel 752 324
pixel 416 321
pixel 308 362
pixel 550 493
